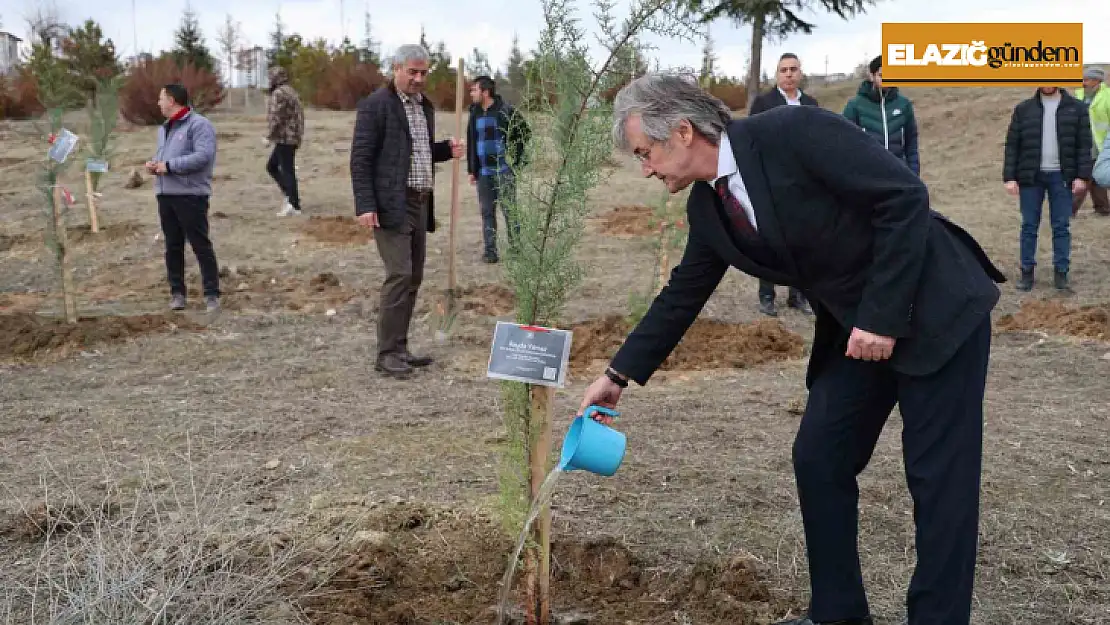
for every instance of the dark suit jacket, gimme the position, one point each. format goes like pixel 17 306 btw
pixel 774 99
pixel 853 228
pixel 381 152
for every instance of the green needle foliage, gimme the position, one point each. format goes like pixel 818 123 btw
pixel 103 118
pixel 571 144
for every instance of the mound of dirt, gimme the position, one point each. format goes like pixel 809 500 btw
pixel 106 232
pixel 25 334
pixel 337 229
pixel 708 344
pixel 627 221
pixel 257 290
pixel 494 300
pixel 1092 322
pixel 416 566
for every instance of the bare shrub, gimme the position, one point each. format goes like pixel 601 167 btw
pixel 139 95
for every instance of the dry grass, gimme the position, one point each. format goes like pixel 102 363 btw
pixel 707 475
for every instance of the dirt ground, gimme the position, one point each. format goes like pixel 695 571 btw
pixel 700 525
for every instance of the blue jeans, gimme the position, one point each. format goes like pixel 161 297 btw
pixel 1031 198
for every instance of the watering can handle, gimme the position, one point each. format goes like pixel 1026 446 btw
pixel 609 412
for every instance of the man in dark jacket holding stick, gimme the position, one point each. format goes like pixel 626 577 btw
pixel 392 173
pixel 799 196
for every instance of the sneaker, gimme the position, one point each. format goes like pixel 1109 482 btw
pixel 287 210
pixel 212 303
pixel 767 306
pixel 177 302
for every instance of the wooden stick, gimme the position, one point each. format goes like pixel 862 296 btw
pixel 460 135
pixel 94 225
pixel 60 209
pixel 539 564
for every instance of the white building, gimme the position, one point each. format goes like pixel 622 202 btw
pixel 9 52
pixel 252 69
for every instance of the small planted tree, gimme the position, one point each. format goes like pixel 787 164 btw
pixel 103 118
pixel 571 143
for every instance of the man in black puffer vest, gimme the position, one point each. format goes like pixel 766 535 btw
pixel 1048 152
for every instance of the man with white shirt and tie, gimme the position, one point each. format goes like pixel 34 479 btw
pixel 800 197
pixel 788 77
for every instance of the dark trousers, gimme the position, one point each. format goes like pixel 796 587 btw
pixel 1099 198
pixel 767 290
pixel 942 439
pixel 403 252
pixel 185 218
pixel 491 191
pixel 282 168
pixel 1031 200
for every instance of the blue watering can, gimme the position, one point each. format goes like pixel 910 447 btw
pixel 592 446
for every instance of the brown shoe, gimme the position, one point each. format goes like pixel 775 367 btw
pixel 393 365
pixel 416 361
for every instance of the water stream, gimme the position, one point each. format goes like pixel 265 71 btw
pixel 542 498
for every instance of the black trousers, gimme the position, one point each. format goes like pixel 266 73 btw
pixel 282 168
pixel 942 439
pixel 185 218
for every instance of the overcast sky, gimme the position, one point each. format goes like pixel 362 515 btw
pixel 464 24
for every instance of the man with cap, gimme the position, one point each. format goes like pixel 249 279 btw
pixel 1096 95
pixel 887 115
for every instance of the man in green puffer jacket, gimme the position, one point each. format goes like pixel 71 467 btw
pixel 886 115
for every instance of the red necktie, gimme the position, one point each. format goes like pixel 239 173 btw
pixel 735 210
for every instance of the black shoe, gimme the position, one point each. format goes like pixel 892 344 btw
pixel 393 365
pixel 1025 282
pixel 1060 281
pixel 798 301
pixel 767 306
pixel 416 361
pixel 805 620
pixel 490 259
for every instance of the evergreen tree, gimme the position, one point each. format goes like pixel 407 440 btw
pixel 708 62
pixel 478 64
pixel 88 58
pixel 514 70
pixel 189 44
pixel 370 52
pixel 277 39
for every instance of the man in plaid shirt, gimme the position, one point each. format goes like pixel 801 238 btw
pixel 392 154
pixel 495 136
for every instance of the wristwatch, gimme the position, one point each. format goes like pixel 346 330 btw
pixel 616 377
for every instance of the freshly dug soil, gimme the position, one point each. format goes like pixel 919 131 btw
pixel 1092 322
pixel 424 567
pixel 25 334
pixel 708 344
pixel 249 289
pixel 494 300
pixel 337 229
pixel 627 221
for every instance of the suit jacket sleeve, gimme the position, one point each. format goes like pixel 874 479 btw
pixel 366 147
pixel 1085 142
pixel 441 151
pixel 673 311
pixel 758 105
pixel 864 176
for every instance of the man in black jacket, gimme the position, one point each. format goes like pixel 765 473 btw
pixel 392 158
pixel 788 77
pixel 496 135
pixel 799 196
pixel 1048 151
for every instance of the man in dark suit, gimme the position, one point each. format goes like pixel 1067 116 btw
pixel 392 157
pixel 787 92
pixel 798 195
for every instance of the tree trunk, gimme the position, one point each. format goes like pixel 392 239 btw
pixel 754 70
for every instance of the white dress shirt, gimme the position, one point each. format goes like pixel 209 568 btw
pixel 726 166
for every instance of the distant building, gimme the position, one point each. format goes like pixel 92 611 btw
pixel 9 52
pixel 253 67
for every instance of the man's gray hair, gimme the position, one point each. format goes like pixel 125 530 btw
pixel 662 101
pixel 410 52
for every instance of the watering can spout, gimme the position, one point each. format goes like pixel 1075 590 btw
pixel 592 446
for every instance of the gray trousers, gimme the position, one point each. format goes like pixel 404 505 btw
pixel 403 252
pixel 491 190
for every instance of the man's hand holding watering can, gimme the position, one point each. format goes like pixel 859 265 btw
pixel 606 392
